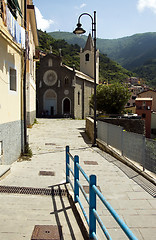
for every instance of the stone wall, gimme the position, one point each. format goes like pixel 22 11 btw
pixel 90 128
pixel 130 125
pixel 11 141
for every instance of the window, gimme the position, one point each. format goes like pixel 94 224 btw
pixel 13 79
pixel 78 98
pixel 143 115
pixel 13 5
pixel 87 57
pixel 1 148
pixel 50 62
pixel 66 81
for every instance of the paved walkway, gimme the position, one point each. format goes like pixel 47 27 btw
pixel 20 213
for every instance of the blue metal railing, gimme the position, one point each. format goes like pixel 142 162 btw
pixel 93 193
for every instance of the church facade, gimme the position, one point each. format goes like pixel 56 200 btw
pixel 63 91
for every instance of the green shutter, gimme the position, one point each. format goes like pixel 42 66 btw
pixel 17 6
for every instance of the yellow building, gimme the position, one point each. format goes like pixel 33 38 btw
pixel 12 64
pixel 31 64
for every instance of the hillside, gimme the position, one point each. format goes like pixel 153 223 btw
pixel 148 71
pixel 110 71
pixel 131 52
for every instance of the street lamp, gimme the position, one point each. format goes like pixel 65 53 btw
pixel 80 30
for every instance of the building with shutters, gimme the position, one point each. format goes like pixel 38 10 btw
pixel 18 39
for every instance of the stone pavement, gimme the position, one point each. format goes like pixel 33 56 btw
pixel 21 212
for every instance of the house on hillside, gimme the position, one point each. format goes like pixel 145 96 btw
pixel 14 43
pixel 151 94
pixel 134 90
pixel 63 91
pixel 144 109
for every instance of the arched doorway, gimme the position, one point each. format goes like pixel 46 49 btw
pixel 50 103
pixel 66 106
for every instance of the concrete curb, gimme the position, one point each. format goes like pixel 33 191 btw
pixel 102 145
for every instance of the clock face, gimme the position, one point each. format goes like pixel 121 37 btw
pixel 50 77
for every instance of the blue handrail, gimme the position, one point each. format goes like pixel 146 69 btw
pixel 93 192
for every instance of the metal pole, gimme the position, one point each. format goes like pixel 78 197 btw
pixel 92 206
pixel 67 162
pixel 94 30
pixel 76 178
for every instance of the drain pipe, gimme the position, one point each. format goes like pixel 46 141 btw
pixel 24 81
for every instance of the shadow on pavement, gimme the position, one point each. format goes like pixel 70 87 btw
pixel 64 210
pixel 85 136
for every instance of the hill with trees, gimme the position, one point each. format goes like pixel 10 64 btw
pixel 133 52
pixel 110 71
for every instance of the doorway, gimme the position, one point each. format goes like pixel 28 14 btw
pixel 50 103
pixel 66 106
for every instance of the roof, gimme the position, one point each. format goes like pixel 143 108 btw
pixel 143 99
pixel 80 74
pixel 149 90
pixel 89 44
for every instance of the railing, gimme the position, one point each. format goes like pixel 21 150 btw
pixel 93 193
pixel 144 150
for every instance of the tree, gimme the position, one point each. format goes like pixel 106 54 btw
pixel 111 98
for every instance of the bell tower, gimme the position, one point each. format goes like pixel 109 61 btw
pixel 87 59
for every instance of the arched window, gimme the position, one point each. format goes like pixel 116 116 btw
pixel 87 57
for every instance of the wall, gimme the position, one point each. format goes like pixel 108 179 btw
pixel 87 67
pixel 143 109
pixel 11 137
pixel 90 128
pixel 130 125
pixel 78 108
pixel 31 75
pixel 149 94
pixel 10 101
pixel 153 122
pixel 11 124
pixel 88 91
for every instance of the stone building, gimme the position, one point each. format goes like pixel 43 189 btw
pixel 63 91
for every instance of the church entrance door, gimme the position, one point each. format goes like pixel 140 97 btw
pixel 50 102
pixel 66 106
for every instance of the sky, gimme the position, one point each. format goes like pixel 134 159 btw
pixel 114 18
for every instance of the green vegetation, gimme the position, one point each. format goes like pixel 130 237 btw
pixel 110 71
pixel 28 151
pixel 148 71
pixel 70 53
pixel 111 98
pixel 131 52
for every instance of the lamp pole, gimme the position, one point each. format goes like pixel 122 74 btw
pixel 80 30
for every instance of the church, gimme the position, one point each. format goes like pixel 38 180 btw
pixel 63 91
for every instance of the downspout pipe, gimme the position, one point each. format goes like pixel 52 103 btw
pixel 24 81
